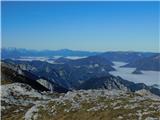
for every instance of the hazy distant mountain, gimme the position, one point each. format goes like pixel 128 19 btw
pixel 91 60
pixel 126 56
pixel 17 53
pixel 148 63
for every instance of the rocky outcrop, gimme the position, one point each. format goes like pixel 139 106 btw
pixel 53 87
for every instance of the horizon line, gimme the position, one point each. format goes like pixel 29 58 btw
pixel 102 51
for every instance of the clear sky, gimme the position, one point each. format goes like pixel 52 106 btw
pixel 94 26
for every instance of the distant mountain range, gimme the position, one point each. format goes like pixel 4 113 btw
pixel 17 53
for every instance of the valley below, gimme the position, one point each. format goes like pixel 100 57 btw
pixel 148 77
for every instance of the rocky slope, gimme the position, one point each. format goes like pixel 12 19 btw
pixel 21 102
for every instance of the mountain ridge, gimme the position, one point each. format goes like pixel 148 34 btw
pixel 13 73
pixel 148 63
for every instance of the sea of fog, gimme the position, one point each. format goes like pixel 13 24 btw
pixel 48 59
pixel 148 77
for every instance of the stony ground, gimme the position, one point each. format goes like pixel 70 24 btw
pixel 21 102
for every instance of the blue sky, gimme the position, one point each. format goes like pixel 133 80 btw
pixel 93 26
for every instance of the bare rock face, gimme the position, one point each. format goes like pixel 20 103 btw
pixel 53 87
pixel 46 84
